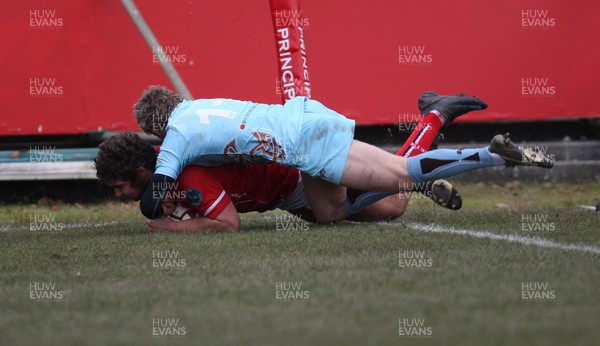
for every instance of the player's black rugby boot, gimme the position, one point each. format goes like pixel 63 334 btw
pixel 442 193
pixel 450 107
pixel 520 156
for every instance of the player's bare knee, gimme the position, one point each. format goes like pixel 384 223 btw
pixel 387 209
pixel 394 210
pixel 328 215
pixel 396 213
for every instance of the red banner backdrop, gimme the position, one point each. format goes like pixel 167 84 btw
pixel 78 66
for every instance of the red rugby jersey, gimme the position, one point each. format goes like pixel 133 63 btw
pixel 250 187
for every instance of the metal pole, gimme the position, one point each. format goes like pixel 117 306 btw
pixel 152 42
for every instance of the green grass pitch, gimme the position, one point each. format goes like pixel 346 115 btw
pixel 91 275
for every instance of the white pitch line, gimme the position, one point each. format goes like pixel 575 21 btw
pixel 587 207
pixel 505 237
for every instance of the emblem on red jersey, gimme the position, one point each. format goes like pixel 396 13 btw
pixel 194 197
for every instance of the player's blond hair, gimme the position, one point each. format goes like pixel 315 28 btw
pixel 153 109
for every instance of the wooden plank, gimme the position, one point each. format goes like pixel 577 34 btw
pixel 47 171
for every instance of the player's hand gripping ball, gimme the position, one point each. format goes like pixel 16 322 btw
pixel 181 213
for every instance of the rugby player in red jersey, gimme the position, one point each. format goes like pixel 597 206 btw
pixel 126 163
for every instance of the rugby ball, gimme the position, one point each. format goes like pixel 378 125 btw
pixel 181 213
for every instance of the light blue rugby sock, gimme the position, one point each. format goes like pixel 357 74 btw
pixel 444 163
pixel 365 200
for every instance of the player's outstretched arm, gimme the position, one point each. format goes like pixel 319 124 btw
pixel 152 198
pixel 227 221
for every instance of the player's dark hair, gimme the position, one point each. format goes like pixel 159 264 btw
pixel 120 156
pixel 154 107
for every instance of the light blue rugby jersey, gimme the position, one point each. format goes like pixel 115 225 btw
pixel 211 132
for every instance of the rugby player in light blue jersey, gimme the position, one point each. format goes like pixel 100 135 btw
pixel 305 135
